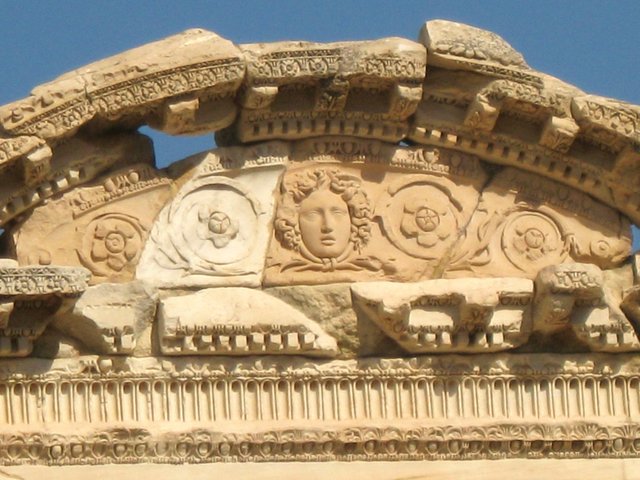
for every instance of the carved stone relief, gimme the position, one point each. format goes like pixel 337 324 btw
pixel 216 229
pixel 111 318
pixel 368 87
pixel 314 290
pixel 29 296
pixel 244 322
pixel 342 221
pixel 77 161
pixel 463 315
pixel 524 223
pixel 101 226
pixel 463 46
pixel 574 296
pixel 571 304
pixel 424 218
pixel 325 216
pixel 128 84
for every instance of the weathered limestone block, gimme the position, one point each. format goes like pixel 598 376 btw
pixel 112 319
pixel 327 305
pixel 601 118
pixel 296 89
pixel 52 110
pixel 559 288
pixel 18 281
pixel 29 296
pixel 6 305
pixel 75 162
pixel 195 116
pixel 482 113
pixel 524 223
pixel 480 86
pixel 36 165
pixel 13 148
pixel 238 321
pixel 36 162
pixel 502 119
pixel 463 47
pixel 464 315
pixel 525 118
pixel 101 226
pixel 616 126
pixel 574 297
pixel 559 133
pixel 129 84
pixel 337 220
pixel 28 319
pixel 331 307
pixel 216 229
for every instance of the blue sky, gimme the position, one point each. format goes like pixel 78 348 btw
pixel 591 44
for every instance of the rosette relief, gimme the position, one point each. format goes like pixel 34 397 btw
pixel 214 232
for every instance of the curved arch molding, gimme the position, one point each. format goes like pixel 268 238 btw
pixel 458 87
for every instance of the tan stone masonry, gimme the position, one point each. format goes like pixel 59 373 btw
pixel 399 251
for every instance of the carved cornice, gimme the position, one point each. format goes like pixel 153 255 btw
pixel 500 441
pixel 524 406
pixel 21 281
pixel 193 61
pixel 197 82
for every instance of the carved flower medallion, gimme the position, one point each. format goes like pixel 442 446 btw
pixel 216 225
pixel 423 220
pixel 530 238
pixel 111 244
pixel 115 242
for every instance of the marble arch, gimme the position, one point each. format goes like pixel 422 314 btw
pixel 458 283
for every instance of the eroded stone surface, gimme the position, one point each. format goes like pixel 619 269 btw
pixel 238 321
pixel 332 308
pixel 215 231
pixel 111 319
pixel 470 315
pixel 456 45
pixel 102 226
pixel 524 223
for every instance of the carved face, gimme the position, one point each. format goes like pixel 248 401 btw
pixel 324 214
pixel 325 225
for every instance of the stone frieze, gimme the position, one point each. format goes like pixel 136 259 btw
pixel 398 251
